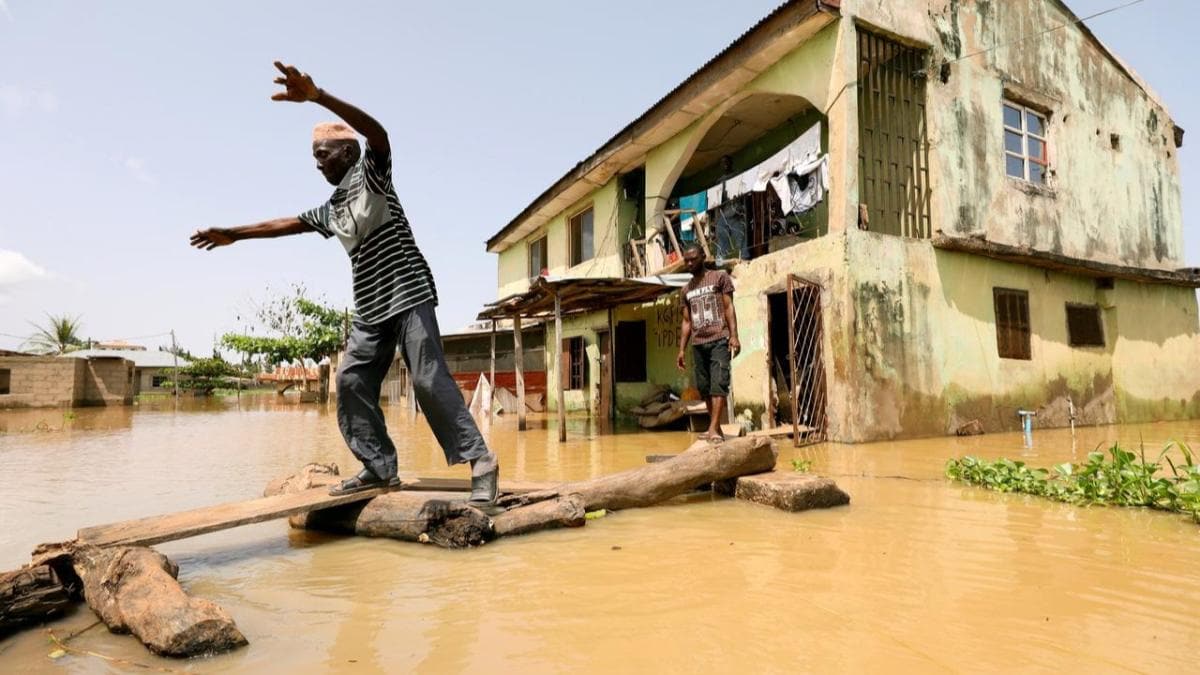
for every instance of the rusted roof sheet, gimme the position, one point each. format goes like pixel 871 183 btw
pixel 577 295
pixel 664 105
pixel 1188 277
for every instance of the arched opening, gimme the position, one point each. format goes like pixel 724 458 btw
pixel 754 184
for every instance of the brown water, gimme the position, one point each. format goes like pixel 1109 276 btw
pixel 917 574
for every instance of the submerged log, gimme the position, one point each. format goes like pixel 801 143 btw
pixel 31 595
pixel 133 590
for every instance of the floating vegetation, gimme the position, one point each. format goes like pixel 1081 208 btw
pixel 802 465
pixel 1118 478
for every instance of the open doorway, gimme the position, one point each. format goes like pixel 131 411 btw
pixel 797 362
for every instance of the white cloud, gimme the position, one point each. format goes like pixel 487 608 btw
pixel 136 166
pixel 15 269
pixel 4 10
pixel 16 101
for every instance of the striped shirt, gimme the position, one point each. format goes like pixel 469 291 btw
pixel 390 274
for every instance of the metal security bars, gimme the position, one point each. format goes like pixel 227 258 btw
pixel 893 146
pixel 806 360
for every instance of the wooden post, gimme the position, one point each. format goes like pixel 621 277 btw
pixel 519 360
pixel 562 411
pixel 175 368
pixel 612 365
pixel 492 376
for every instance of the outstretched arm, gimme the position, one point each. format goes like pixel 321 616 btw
pixel 299 88
pixel 214 237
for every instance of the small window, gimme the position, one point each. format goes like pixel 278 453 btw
pixel 581 228
pixel 631 351
pixel 1012 323
pixel 538 265
pixel 574 363
pixel 5 381
pixel 1025 151
pixel 157 380
pixel 1084 326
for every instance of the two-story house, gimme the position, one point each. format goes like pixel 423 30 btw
pixel 936 213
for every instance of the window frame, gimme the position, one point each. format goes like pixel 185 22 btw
pixel 1027 160
pixel 573 372
pixel 573 238
pixel 1008 335
pixel 1099 324
pixel 544 270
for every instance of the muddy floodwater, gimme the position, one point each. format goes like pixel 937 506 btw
pixel 917 574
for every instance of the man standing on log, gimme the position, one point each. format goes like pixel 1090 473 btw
pixel 710 322
pixel 394 297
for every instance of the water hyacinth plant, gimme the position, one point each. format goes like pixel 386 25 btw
pixel 1118 478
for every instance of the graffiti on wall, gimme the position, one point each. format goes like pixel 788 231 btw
pixel 667 317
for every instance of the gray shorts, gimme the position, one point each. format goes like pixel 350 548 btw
pixel 710 362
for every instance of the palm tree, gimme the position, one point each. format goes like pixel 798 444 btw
pixel 58 336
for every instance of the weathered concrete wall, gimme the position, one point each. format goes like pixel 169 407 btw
pixel 923 345
pixel 108 382
pixel 1113 205
pixel 36 382
pixel 663 319
pixel 514 262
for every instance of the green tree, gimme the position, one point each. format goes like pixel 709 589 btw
pixel 59 335
pixel 205 375
pixel 294 327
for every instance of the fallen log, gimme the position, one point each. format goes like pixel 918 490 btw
pixel 134 590
pixel 565 512
pixel 31 595
pixel 445 519
pixel 700 464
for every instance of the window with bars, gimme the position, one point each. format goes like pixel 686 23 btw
pixel 1012 323
pixel 1025 150
pixel 1084 326
pixel 581 229
pixel 574 363
pixel 538 265
pixel 893 143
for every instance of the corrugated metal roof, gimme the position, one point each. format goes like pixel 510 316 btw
pixel 141 358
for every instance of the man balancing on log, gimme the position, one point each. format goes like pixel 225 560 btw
pixel 394 297
pixel 710 323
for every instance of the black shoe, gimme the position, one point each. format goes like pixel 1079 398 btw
pixel 485 488
pixel 362 481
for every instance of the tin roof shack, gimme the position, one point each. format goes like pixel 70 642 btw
pixel 935 214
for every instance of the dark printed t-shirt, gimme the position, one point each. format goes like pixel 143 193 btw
pixel 705 301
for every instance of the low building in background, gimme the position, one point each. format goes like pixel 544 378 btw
pixel 152 369
pixel 57 381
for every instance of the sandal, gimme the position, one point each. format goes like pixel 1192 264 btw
pixel 361 482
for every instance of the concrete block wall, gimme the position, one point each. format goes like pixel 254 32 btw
pixel 42 381
pixel 108 382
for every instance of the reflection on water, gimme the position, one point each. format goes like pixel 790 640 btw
pixel 917 574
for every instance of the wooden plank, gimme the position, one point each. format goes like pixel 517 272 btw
pixel 185 524
pixel 173 526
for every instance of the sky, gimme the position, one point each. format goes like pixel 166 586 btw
pixel 125 126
